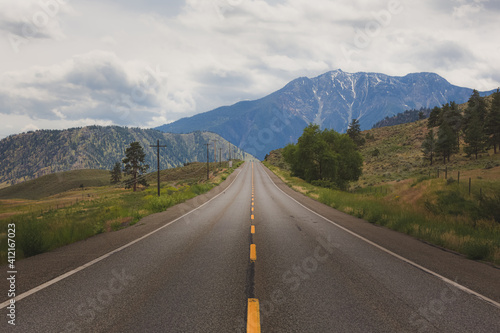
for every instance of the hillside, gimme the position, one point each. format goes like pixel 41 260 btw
pixel 330 100
pixel 56 183
pixel 31 155
pixel 400 156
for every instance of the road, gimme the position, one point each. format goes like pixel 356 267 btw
pixel 257 257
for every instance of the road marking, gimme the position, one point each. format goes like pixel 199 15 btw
pixel 408 261
pixel 90 263
pixel 253 252
pixel 253 317
pixel 252 217
pixel 252 204
pixel 252 229
pixel 252 209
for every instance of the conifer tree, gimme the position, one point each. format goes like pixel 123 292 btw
pixel 429 146
pixel 493 122
pixel 134 164
pixel 116 173
pixel 354 132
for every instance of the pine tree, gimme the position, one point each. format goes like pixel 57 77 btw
pixel 475 105
pixel 446 143
pixel 429 145
pixel 493 121
pixel 116 173
pixel 434 118
pixel 475 137
pixel 134 164
pixel 354 132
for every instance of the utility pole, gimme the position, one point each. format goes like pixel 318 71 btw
pixel 220 157
pixel 158 158
pixel 208 165
pixel 215 150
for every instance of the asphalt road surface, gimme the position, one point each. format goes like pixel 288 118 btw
pixel 258 257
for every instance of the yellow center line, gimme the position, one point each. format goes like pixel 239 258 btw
pixel 253 252
pixel 253 317
pixel 253 204
pixel 252 229
pixel 252 209
pixel 252 217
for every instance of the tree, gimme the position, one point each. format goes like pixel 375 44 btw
pixel 429 145
pixel 354 132
pixel 324 155
pixel 452 116
pixel 116 173
pixel 493 122
pixel 446 143
pixel 475 137
pixel 134 164
pixel 434 117
pixel 473 126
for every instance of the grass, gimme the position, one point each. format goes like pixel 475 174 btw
pixel 44 225
pixel 427 209
pixel 56 183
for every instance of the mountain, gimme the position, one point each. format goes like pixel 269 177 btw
pixel 331 100
pixel 34 154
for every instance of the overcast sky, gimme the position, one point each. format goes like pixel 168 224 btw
pixel 148 62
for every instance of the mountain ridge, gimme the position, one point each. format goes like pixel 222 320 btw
pixel 331 100
pixel 33 154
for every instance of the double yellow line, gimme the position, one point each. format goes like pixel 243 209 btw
pixel 253 315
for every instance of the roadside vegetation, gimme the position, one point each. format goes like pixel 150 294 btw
pixel 452 202
pixel 73 215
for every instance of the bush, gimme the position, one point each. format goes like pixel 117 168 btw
pixel 30 236
pixel 477 250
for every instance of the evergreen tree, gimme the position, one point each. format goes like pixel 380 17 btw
pixel 475 105
pixel 493 122
pixel 116 173
pixel 475 137
pixel 434 117
pixel 354 132
pixel 429 145
pixel 452 116
pixel 446 143
pixel 134 164
pixel 474 124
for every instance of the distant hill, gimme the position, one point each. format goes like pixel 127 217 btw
pixel 31 155
pixel 330 100
pixel 408 116
pixel 56 183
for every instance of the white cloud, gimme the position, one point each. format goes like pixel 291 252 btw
pixel 93 62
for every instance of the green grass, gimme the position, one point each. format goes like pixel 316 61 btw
pixel 108 209
pixel 56 183
pixel 445 215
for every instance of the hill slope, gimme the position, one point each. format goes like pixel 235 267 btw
pixel 34 154
pixel 55 183
pixel 331 100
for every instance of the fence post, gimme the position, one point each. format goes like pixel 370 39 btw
pixel 470 180
pixel 438 172
pixel 458 178
pixel 446 173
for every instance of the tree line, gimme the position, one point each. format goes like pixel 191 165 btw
pixel 478 126
pixel 326 157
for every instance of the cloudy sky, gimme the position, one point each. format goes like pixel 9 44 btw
pixel 67 63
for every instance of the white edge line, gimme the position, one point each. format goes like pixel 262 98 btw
pixel 444 279
pixel 90 263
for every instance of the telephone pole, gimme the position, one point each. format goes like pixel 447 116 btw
pixel 215 150
pixel 208 165
pixel 158 158
pixel 220 157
